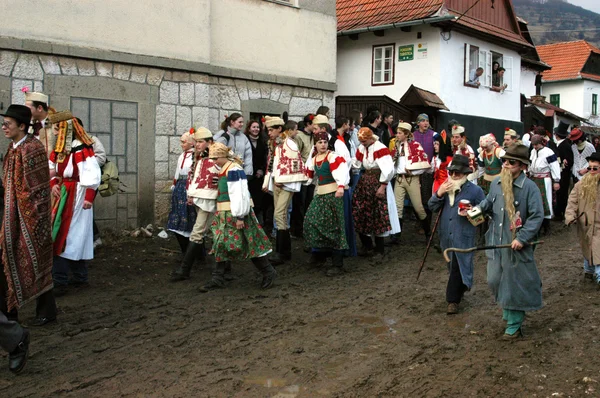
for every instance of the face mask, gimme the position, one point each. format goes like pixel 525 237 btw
pixel 581 146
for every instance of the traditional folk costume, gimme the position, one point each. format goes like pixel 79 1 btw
pixel 342 146
pixel 78 176
pixel 544 170
pixel 25 235
pixel 581 151
pixel 285 175
pixel 410 161
pixel 583 208
pixel 466 150
pixel 324 225
pixel 42 129
pixel 231 243
pixel 490 162
pixel 374 216
pixel 565 160
pixel 202 190
pixel 456 231
pixel 426 179
pixel 440 162
pixel 182 215
pixel 512 274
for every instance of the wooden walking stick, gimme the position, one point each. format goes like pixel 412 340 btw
pixel 472 249
pixel 437 221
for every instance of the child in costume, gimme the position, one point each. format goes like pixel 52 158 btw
pixel 324 225
pixel 237 235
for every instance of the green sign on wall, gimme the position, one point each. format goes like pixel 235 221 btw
pixel 406 53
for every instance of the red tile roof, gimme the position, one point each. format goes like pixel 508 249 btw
pixel 567 59
pixel 356 14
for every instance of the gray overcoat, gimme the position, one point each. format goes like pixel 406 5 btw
pixel 512 274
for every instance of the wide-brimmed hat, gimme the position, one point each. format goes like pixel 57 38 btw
pixel 576 134
pixel 20 113
pixel 460 163
pixel 58 117
pixel 517 152
pixel 562 130
pixel 594 156
pixel 201 133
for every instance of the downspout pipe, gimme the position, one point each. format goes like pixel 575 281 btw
pixel 397 25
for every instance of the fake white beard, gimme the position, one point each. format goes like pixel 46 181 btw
pixel 456 185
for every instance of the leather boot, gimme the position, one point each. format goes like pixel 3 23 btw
pixel 182 272
pixel 367 245
pixel 228 273
pixel 337 263
pixel 18 358
pixel 276 258
pixel 379 245
pixel 395 238
pixel 266 269
pixel 183 242
pixel 426 225
pixel 546 227
pixel 283 248
pixel 317 259
pixel 218 278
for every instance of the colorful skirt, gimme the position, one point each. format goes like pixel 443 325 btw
pixel 541 184
pixel 371 213
pixel 484 184
pixel 182 216
pixel 230 243
pixel 324 225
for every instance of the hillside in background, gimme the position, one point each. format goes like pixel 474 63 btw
pixel 551 21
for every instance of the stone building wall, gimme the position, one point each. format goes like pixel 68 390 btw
pixel 169 102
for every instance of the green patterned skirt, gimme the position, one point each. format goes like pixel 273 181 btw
pixel 324 225
pixel 230 243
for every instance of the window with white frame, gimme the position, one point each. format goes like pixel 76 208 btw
pixel 383 65
pixel 477 58
pixel 293 3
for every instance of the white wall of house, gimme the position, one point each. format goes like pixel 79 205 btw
pixel 442 72
pixel 571 95
pixel 528 81
pixel 590 87
pixel 354 63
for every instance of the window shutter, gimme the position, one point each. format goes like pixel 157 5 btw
pixel 467 61
pixel 488 69
pixel 508 73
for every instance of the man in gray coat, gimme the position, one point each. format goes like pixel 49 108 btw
pixel 515 205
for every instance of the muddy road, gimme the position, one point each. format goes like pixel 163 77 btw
pixel 374 331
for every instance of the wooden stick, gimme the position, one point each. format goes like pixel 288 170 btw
pixel 472 249
pixel 437 221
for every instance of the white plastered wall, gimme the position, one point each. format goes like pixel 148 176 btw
pixel 571 95
pixel 528 81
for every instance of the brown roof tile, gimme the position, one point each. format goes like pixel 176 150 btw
pixel 567 59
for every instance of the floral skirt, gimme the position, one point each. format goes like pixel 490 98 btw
pixel 182 216
pixel 230 243
pixel 324 225
pixel 371 214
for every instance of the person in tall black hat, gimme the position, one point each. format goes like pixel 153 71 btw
pixel 26 242
pixel 455 229
pixel 565 156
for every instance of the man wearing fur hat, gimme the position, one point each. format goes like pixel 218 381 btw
pixel 544 170
pixel 565 158
pixel 455 228
pixel 410 161
pixel 510 138
pixel 583 209
pixel 581 151
pixel 40 127
pixel 460 146
pixel 489 161
pixel 515 206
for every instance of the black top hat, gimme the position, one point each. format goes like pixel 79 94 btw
pixel 517 152
pixel 460 163
pixel 594 156
pixel 20 113
pixel 562 130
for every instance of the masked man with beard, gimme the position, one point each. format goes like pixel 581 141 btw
pixel 455 228
pixel 515 206
pixel 582 209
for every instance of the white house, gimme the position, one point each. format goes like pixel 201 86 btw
pixel 436 46
pixel 573 83
pixel 141 73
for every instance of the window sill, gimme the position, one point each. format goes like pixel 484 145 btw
pixel 291 3
pixel 382 84
pixel 471 85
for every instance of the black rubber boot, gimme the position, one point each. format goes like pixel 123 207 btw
pixel 182 272
pixel 395 238
pixel 367 245
pixel 426 225
pixel 379 245
pixel 228 273
pixel 317 259
pixel 283 251
pixel 546 227
pixel 218 278
pixel 276 258
pixel 183 242
pixel 337 263
pixel 266 269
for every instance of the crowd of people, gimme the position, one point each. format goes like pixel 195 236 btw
pixel 244 192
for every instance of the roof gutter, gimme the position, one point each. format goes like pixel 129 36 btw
pixel 397 25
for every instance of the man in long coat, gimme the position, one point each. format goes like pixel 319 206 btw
pixel 455 229
pixel 515 205
pixel 582 209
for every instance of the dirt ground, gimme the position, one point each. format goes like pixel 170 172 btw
pixel 374 331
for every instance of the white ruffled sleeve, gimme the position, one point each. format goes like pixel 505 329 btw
pixel 339 169
pixel 89 170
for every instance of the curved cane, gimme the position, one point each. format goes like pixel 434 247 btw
pixel 472 249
